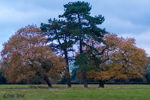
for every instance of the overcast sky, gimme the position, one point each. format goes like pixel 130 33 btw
pixel 127 18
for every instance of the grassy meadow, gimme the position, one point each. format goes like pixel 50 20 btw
pixel 77 92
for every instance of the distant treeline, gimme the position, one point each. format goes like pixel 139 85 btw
pixel 75 80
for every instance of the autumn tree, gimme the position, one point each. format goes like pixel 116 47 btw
pixel 60 39
pixel 83 27
pixel 26 55
pixel 119 58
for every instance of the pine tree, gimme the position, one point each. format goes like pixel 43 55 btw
pixel 61 42
pixel 83 27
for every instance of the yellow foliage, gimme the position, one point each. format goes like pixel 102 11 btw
pixel 120 58
pixel 26 54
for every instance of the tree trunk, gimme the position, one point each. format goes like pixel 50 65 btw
pixel 101 84
pixel 68 74
pixel 84 78
pixel 83 70
pixel 48 81
pixel 68 78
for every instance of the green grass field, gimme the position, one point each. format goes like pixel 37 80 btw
pixel 77 92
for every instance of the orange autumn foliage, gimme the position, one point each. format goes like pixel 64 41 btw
pixel 120 59
pixel 27 55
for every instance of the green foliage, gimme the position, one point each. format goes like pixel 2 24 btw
pixel 74 74
pixel 84 28
pixel 82 61
pixel 59 35
pixel 60 40
pixel 2 79
pixel 147 71
pixel 83 25
pixel 78 28
pixel 73 8
pixel 63 80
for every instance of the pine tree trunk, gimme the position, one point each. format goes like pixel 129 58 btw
pixel 47 80
pixel 83 70
pixel 101 84
pixel 68 74
pixel 84 78
pixel 68 78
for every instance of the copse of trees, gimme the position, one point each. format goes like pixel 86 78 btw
pixel 43 53
pixel 79 27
